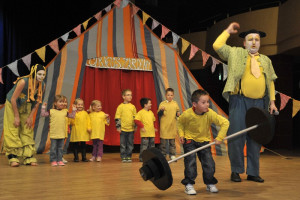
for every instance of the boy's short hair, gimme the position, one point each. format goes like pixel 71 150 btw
pixel 144 101
pixel 126 90
pixel 197 94
pixel 169 90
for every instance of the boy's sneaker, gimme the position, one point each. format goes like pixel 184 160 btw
pixel 124 160
pixel 212 188
pixel 128 159
pixel 189 189
pixel 92 159
pixel 99 159
pixel 61 163
pixel 54 164
pixel 64 161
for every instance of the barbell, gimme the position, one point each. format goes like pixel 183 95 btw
pixel 260 127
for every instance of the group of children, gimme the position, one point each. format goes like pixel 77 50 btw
pixel 192 126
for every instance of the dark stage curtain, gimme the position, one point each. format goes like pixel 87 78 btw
pixel 106 85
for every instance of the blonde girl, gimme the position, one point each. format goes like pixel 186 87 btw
pixel 98 121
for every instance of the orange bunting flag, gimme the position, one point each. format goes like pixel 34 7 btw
pixel 283 100
pixel 215 63
pixel 1 81
pixel 117 3
pixel 296 107
pixel 205 57
pixel 41 53
pixel 134 10
pixel 193 52
pixel 164 31
pixel 145 17
pixel 54 46
pixel 27 61
pixel 98 15
pixel 185 45
pixel 77 30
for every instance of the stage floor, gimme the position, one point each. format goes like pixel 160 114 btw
pixel 111 179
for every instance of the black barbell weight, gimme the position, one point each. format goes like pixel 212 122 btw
pixel 260 127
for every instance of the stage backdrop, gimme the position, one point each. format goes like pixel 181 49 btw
pixel 113 32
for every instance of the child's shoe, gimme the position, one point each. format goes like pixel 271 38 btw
pixel 54 164
pixel 92 159
pixel 61 163
pixel 189 189
pixel 124 160
pixel 128 159
pixel 212 188
pixel 64 161
pixel 99 159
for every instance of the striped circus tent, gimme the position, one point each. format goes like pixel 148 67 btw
pixel 113 32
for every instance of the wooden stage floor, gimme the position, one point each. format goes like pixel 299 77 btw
pixel 111 179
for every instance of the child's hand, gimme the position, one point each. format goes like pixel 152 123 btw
pixel 89 130
pixel 143 129
pixel 181 139
pixel 155 129
pixel 218 142
pixel 162 108
pixel 119 130
pixel 106 115
pixel 44 104
pixel 74 107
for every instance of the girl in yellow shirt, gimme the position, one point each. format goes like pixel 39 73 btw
pixel 81 129
pixel 98 121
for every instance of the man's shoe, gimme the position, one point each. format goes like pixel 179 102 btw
pixel 212 188
pixel 255 179
pixel 189 189
pixel 235 177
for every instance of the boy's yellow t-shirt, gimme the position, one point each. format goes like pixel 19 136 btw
pixel 58 123
pixel 148 119
pixel 126 112
pixel 168 121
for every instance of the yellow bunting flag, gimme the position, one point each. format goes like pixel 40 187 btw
pixel 185 45
pixel 296 107
pixel 85 23
pixel 41 52
pixel 145 17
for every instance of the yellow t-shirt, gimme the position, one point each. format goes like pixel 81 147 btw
pixel 148 119
pixel 126 112
pixel 197 127
pixel 168 121
pixel 251 87
pixel 98 122
pixel 58 123
pixel 80 125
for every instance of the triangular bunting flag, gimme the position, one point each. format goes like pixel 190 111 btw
pixel 134 10
pixel 77 30
pixel 85 23
pixel 215 63
pixel 194 50
pixel 54 46
pixel 154 24
pixel 283 100
pixel 117 3
pixel 205 57
pixel 296 107
pixel 98 15
pixel 164 31
pixel 65 37
pixel 1 81
pixel 124 3
pixel 225 71
pixel 41 53
pixel 185 45
pixel 145 17
pixel 14 68
pixel 27 61
pixel 175 39
pixel 108 8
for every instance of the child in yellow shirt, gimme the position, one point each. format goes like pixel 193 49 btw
pixel 168 111
pixel 81 129
pixel 194 131
pixel 98 121
pixel 145 119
